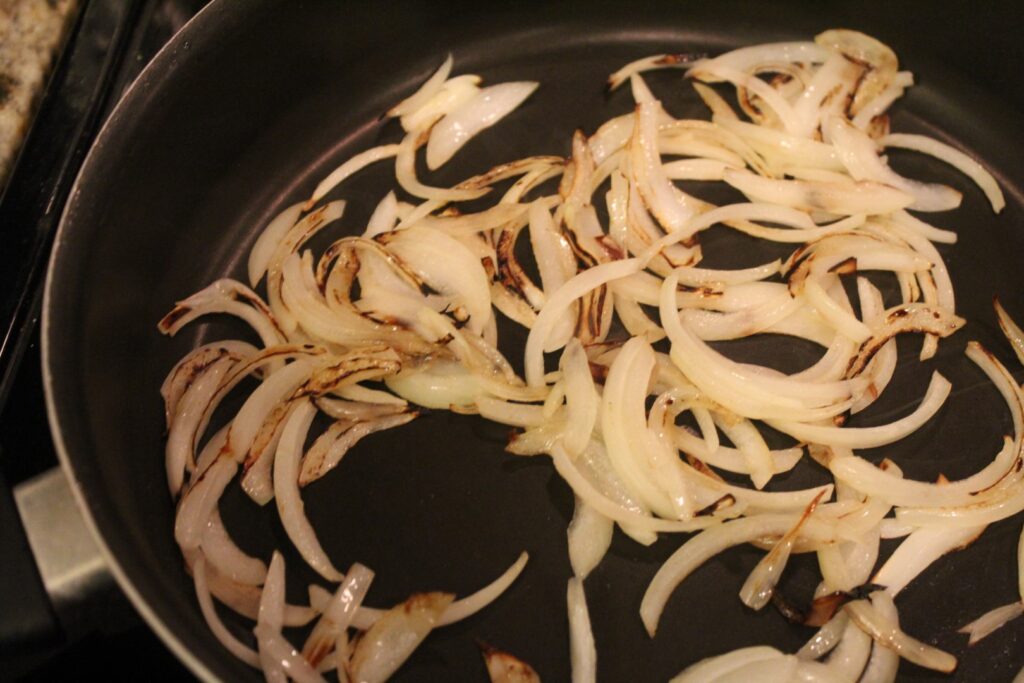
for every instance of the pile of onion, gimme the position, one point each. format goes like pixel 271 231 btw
pixel 624 307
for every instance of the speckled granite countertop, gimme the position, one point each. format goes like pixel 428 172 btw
pixel 31 33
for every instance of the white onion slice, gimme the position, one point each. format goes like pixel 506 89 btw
pixel 399 631
pixel 581 639
pixel 266 243
pixel 426 91
pixel 827 637
pixel 486 108
pixel 347 169
pixel 658 192
pixel 284 657
pixel 583 488
pixel 1012 331
pixel 560 301
pixel 286 491
pixel 859 154
pixel 188 418
pixel 504 668
pixel 326 453
pixel 848 659
pixel 871 437
pixel 917 552
pixel 230 297
pixel 991 621
pixel 953 157
pixel 271 617
pixel 213 620
pixel 590 535
pixel 198 503
pixel 365 617
pixel 715 668
pixel 884 662
pixel 230 560
pixel 837 198
pixel 709 543
pixel 338 614
pixel 888 634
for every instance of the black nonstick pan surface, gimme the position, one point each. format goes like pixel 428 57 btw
pixel 249 106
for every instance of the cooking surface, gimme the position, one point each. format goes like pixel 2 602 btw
pixel 515 504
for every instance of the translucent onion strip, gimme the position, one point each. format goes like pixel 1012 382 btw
pixel 286 491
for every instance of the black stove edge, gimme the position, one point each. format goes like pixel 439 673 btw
pixel 76 99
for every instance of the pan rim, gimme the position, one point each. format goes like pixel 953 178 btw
pixel 136 89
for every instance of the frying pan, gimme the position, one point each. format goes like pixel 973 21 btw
pixel 245 110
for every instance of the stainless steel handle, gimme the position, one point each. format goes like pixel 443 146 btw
pixel 69 560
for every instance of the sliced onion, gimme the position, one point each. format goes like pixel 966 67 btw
pixel 213 620
pixel 860 156
pixel 504 668
pixel 559 302
pixel 716 668
pixel 266 243
pixel 347 169
pixel 991 621
pixel 761 582
pixel 590 535
pixel 486 108
pixel 888 634
pixel 884 662
pixel 848 659
pixel 844 199
pixel 338 614
pixel 709 543
pixel 399 631
pixel 230 297
pixel 581 639
pixel 826 639
pixel 286 491
pixel 917 552
pixel 871 437
pixel 188 418
pixel 426 91
pixel 230 560
pixel 953 157
pixel 328 450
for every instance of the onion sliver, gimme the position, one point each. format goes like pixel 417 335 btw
pixel 612 510
pixel 590 535
pixel 213 620
pixel 953 157
pixel 426 91
pixel 871 437
pixel 884 662
pixel 365 617
pixel 485 109
pixel 560 301
pixel 709 543
pixel 230 561
pixel 266 243
pixel 917 552
pixel 827 637
pixel 581 638
pixel 399 631
pixel 714 668
pixel 888 634
pixel 286 491
pixel 991 621
pixel 844 199
pixel 350 167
